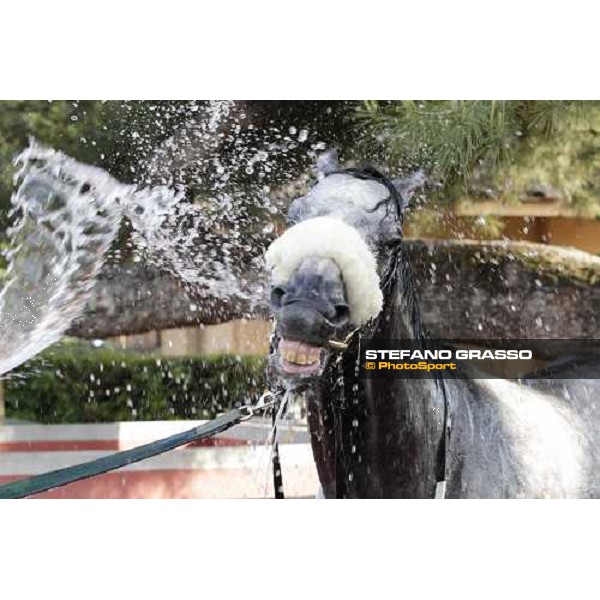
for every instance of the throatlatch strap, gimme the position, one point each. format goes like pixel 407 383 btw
pixel 48 481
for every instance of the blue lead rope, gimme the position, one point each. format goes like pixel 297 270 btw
pixel 60 477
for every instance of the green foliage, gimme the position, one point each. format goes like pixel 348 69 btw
pixel 3 265
pixel 446 137
pixel 71 384
pixel 104 134
pixel 488 147
pixel 60 124
pixel 565 164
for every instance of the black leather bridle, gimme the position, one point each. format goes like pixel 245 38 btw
pixel 342 401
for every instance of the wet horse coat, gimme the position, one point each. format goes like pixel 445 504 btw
pixel 507 440
pixel 387 438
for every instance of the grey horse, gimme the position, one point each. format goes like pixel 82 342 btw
pixel 407 438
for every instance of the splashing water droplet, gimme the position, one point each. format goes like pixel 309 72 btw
pixel 66 217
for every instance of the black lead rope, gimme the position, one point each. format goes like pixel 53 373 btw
pixel 277 473
pixel 443 468
pixel 341 490
pixel 60 477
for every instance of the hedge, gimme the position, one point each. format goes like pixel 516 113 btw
pixel 83 385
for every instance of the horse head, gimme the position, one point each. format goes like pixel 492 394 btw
pixel 327 267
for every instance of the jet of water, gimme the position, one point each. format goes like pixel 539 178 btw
pixel 68 214
pixel 66 217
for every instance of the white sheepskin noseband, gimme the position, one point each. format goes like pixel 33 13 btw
pixel 328 237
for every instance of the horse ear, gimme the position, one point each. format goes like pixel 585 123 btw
pixel 327 162
pixel 296 211
pixel 407 186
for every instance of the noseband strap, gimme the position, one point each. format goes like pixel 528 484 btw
pixel 332 238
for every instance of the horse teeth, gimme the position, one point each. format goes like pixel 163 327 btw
pixel 299 353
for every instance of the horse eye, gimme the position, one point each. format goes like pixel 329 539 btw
pixel 342 314
pixel 277 294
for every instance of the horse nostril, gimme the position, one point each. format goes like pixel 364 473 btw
pixel 277 294
pixel 342 314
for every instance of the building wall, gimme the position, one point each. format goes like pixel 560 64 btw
pixel 142 342
pixel 559 231
pixel 580 233
pixel 240 337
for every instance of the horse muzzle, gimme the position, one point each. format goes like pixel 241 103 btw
pixel 310 310
pixel 304 334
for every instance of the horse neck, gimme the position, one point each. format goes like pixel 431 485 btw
pixel 409 412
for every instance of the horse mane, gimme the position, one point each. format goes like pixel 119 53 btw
pixel 399 267
pixel 393 200
pixel 410 298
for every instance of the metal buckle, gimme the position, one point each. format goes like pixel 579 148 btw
pixel 267 400
pixel 341 346
pixel 337 345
